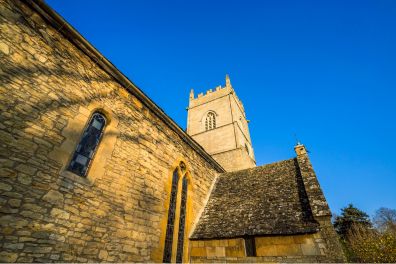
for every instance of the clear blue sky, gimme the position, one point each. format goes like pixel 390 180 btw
pixel 325 70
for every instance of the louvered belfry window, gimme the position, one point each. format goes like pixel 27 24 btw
pixel 88 145
pixel 210 121
pixel 179 173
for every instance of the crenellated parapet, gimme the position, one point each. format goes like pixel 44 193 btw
pixel 216 119
pixel 215 93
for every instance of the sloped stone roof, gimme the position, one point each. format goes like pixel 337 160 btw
pixel 266 200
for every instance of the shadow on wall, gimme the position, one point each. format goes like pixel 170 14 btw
pixel 51 218
pixel 303 197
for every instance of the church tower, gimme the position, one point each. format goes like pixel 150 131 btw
pixel 217 121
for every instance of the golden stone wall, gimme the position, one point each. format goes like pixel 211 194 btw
pixel 297 248
pixel 48 91
pixel 235 160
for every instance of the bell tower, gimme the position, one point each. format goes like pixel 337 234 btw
pixel 217 121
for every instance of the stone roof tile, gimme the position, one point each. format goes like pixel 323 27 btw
pixel 265 200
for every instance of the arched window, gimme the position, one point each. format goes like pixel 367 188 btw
pixel 179 173
pixel 89 142
pixel 210 122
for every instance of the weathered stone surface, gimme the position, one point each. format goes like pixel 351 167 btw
pixel 4 48
pixel 54 256
pixel 130 249
pixel 14 202
pixel 58 213
pixel 266 200
pixel 53 197
pixel 5 186
pixel 19 223
pixel 217 121
pixel 27 169
pixel 24 179
pixel 268 249
pixel 8 256
pixel 49 88
pixel 103 254
pixel 309 249
pixel 241 204
pixel 37 249
pixel 315 195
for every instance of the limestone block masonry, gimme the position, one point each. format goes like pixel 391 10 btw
pixel 297 248
pixel 228 141
pixel 148 181
pixel 49 88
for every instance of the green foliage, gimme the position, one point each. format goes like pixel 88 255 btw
pixel 350 216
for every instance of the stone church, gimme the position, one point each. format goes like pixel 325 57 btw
pixel 92 170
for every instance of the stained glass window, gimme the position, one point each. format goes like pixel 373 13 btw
pixel 250 247
pixel 210 122
pixel 171 219
pixel 182 221
pixel 89 142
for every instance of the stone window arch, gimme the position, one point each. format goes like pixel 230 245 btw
pixel 89 142
pixel 177 213
pixel 210 121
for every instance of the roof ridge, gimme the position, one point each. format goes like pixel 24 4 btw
pixel 257 167
pixel 264 200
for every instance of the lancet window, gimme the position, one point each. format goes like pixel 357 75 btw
pixel 179 190
pixel 88 145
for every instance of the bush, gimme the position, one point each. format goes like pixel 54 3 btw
pixel 364 244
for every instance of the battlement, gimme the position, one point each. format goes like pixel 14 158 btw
pixel 219 90
pixel 213 94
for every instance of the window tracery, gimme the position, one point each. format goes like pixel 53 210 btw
pixel 179 173
pixel 210 121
